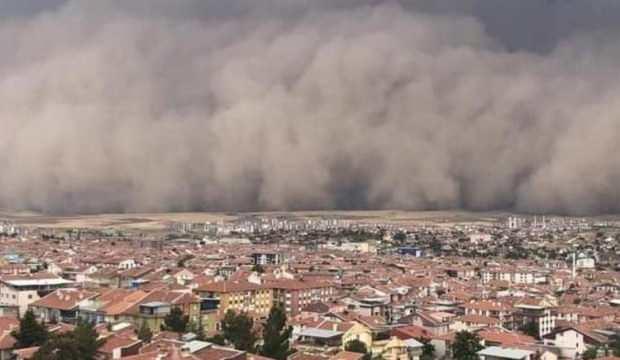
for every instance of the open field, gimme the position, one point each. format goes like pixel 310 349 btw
pixel 159 221
pixel 101 221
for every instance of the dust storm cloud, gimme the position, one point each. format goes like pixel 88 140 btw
pixel 297 104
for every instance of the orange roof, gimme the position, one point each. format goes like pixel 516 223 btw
pixel 151 355
pixel 506 338
pixel 171 297
pixel 257 357
pixel 115 342
pixel 347 355
pixel 119 306
pixel 7 341
pixel 8 323
pixel 217 353
pixel 64 299
pixel 61 328
pixel 411 331
pixel 26 353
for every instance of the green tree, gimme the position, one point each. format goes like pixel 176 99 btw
pixel 218 339
pixel 59 347
pixel 258 268
pixel 399 237
pixel 466 346
pixel 200 332
pixel 615 345
pixel 238 329
pixel 530 328
pixel 176 321
pixel 87 340
pixel 590 354
pixel 276 335
pixel 183 260
pixel 197 329
pixel 80 344
pixel 31 332
pixel 428 349
pixel 435 246
pixel 144 332
pixel 357 346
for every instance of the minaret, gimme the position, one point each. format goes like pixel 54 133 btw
pixel 574 266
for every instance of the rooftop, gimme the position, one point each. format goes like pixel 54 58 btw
pixel 506 353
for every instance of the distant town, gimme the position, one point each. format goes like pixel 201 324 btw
pixel 516 287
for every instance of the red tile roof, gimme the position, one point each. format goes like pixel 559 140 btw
pixel 64 299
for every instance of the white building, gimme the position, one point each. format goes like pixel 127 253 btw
pixel 23 290
pixel 540 314
pixel 584 262
pixel 514 275
pixel 500 353
pixel 127 264
pixel 573 342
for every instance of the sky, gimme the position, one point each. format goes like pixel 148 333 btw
pixel 153 105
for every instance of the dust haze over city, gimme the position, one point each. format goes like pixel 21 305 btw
pixel 309 179
pixel 155 106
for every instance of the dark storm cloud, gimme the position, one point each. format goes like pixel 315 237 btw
pixel 291 104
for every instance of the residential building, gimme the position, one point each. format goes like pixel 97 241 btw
pixel 294 295
pixel 23 290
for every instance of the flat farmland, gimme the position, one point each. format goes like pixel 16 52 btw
pixel 160 221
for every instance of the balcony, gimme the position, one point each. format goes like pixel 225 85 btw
pixel 155 309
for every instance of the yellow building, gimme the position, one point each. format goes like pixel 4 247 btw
pixel 138 307
pixel 389 349
pixel 358 332
pixel 240 296
pixel 395 349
